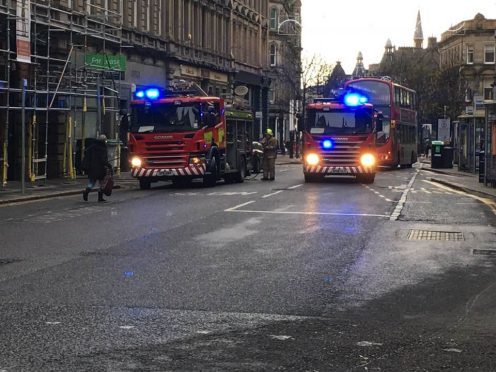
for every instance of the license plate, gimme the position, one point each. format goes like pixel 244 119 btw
pixel 339 170
pixel 165 172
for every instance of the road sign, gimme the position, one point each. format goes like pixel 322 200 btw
pixel 444 130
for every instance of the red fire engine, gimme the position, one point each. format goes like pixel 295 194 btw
pixel 339 138
pixel 180 136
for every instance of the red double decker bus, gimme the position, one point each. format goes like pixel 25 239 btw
pixel 396 144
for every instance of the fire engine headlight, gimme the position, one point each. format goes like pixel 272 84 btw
pixel 312 159
pixel 367 160
pixel 136 162
pixel 195 160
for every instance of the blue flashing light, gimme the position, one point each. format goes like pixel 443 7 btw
pixel 152 93
pixel 327 144
pixel 148 93
pixel 354 99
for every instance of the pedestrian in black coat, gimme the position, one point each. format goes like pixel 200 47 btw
pixel 95 164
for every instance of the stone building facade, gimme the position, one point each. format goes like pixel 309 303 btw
pixel 284 67
pixel 469 46
pixel 80 59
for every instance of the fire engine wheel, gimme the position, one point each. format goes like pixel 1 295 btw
pixel 366 178
pixel 240 176
pixel 144 184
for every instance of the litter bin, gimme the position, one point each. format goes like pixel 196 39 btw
pixel 447 156
pixel 437 154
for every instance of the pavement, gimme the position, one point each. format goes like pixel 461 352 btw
pixel 11 193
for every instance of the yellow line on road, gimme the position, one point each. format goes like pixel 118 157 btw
pixel 490 203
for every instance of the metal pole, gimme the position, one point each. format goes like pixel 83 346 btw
pixel 98 107
pixel 23 137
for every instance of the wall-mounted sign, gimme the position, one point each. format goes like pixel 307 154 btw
pixel 241 90
pixel 106 61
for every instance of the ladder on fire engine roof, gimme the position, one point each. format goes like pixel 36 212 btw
pixel 61 84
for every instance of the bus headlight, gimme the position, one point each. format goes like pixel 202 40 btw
pixel 367 160
pixel 136 162
pixel 312 159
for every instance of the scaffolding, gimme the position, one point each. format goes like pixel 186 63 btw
pixel 73 70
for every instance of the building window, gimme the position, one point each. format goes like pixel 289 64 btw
pixel 135 13
pixel 488 93
pixel 489 54
pixel 273 55
pixel 274 18
pixel 470 55
pixel 272 96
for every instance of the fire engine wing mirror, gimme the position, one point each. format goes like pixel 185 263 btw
pixel 378 122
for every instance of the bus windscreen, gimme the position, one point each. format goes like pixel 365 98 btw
pixel 377 92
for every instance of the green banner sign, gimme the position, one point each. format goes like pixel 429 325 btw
pixel 106 61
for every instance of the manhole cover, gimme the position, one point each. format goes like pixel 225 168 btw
pixel 435 235
pixel 484 252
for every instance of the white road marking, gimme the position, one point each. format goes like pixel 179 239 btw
pixel 274 193
pixel 399 207
pixel 233 209
pixel 126 327
pixel 231 193
pixel 425 190
pixel 294 187
pixel 52 323
pixel 380 195
pixel 281 337
pixel 308 213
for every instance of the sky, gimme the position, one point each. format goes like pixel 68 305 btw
pixel 337 30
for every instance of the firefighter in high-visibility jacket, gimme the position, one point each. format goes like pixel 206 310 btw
pixel 269 144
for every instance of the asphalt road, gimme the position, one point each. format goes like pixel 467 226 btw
pixel 333 276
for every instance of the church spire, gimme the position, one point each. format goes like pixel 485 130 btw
pixel 359 70
pixel 418 37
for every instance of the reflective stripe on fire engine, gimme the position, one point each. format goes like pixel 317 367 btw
pixel 337 170
pixel 192 170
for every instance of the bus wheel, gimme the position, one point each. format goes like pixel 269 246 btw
pixel 366 178
pixel 240 176
pixel 144 184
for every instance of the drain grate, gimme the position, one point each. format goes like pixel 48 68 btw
pixel 435 235
pixel 484 252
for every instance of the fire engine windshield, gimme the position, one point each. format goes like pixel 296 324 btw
pixel 339 121
pixel 165 118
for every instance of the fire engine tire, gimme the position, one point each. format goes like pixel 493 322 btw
pixel 366 178
pixel 144 184
pixel 240 176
